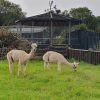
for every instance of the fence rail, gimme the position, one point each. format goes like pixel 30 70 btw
pixel 89 56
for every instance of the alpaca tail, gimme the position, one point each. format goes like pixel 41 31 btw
pixel 46 57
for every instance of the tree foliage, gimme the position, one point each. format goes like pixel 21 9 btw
pixel 80 27
pixel 84 14
pixel 98 20
pixel 80 13
pixel 91 22
pixel 98 24
pixel 65 13
pixel 9 12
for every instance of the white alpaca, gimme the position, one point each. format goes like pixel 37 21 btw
pixel 21 57
pixel 54 57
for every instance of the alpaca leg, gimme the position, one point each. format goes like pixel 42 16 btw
pixel 45 65
pixel 59 67
pixel 48 66
pixel 10 67
pixel 19 68
pixel 24 69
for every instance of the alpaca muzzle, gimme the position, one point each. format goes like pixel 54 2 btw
pixel 74 67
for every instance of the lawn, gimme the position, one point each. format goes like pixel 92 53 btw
pixel 40 84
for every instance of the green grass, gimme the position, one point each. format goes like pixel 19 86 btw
pixel 40 84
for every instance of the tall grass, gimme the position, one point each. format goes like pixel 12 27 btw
pixel 40 84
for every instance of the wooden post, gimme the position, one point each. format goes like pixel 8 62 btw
pixel 51 34
pixel 69 40
pixel 32 31
pixel 17 28
pixel 20 29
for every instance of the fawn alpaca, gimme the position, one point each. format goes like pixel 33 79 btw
pixel 21 57
pixel 55 57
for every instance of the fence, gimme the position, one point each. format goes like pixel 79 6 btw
pixel 44 48
pixel 89 56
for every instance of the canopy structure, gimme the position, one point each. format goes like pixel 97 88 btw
pixel 49 19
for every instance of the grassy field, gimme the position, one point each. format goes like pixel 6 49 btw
pixel 40 84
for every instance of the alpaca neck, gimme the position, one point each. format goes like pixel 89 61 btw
pixel 31 54
pixel 68 63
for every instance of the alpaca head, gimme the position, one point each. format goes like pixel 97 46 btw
pixel 75 65
pixel 34 46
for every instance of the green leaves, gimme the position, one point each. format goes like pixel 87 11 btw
pixel 9 12
pixel 80 13
pixel 84 14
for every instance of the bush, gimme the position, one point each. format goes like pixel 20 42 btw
pixel 12 40
pixel 80 27
pixel 7 37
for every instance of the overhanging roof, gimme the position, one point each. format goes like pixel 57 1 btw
pixel 45 19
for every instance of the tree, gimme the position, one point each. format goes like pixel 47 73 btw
pixel 80 13
pixel 84 14
pixel 98 24
pixel 91 22
pixel 65 13
pixel 9 12
pixel 98 20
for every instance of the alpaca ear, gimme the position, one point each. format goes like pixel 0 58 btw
pixel 74 62
pixel 33 45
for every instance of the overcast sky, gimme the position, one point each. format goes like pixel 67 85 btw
pixel 35 7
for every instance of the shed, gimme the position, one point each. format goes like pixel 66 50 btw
pixel 52 25
pixel 84 39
